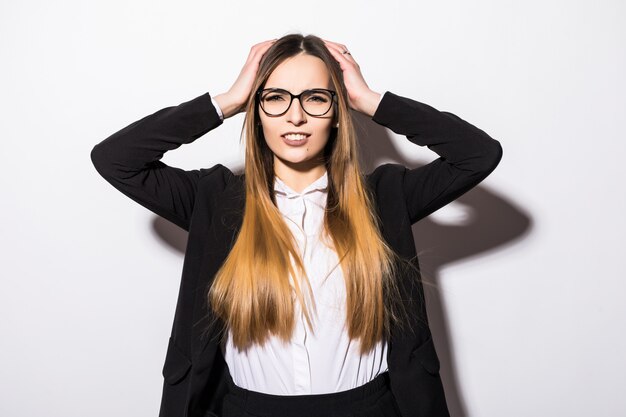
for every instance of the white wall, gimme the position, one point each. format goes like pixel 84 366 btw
pixel 528 319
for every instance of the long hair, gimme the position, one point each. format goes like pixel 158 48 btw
pixel 252 291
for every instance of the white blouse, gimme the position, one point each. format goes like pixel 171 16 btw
pixel 319 360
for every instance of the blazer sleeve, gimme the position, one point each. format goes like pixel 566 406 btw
pixel 130 158
pixel 467 155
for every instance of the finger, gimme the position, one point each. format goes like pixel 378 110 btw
pixel 339 52
pixel 345 61
pixel 259 49
pixel 344 64
pixel 333 46
pixel 260 44
pixel 340 47
pixel 266 45
pixel 333 43
pixel 263 45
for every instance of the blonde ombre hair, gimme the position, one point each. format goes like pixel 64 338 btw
pixel 252 293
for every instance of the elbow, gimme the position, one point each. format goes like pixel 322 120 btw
pixel 495 154
pixel 492 157
pixel 484 161
pixel 99 160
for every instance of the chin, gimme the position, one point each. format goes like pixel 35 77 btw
pixel 295 160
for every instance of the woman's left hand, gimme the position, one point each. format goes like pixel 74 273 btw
pixel 360 97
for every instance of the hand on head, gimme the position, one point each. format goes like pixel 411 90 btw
pixel 360 96
pixel 234 100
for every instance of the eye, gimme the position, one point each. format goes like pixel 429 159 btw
pixel 319 98
pixel 273 97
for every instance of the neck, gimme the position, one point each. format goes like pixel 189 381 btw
pixel 298 176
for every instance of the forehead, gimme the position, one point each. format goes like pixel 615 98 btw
pixel 298 73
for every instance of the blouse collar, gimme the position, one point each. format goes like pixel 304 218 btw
pixel 320 184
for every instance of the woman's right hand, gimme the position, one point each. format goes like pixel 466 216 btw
pixel 234 100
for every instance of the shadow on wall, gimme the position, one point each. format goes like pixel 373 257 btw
pixel 495 222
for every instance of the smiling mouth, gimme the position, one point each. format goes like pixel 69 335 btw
pixel 295 140
pixel 295 137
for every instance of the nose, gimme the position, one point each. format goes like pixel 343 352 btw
pixel 296 113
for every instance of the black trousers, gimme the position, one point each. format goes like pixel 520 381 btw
pixel 373 399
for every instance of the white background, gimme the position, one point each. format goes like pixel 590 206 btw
pixel 529 314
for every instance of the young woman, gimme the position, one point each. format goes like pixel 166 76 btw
pixel 301 293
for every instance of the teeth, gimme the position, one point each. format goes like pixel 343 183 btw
pixel 295 137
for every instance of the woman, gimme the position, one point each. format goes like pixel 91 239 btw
pixel 300 292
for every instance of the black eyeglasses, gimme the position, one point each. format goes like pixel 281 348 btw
pixel 276 101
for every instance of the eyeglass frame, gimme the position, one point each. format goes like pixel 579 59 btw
pixel 294 96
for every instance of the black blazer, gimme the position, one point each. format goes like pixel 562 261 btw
pixel 209 202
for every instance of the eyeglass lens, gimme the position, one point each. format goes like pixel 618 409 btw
pixel 314 102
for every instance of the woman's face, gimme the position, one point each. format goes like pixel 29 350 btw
pixel 296 74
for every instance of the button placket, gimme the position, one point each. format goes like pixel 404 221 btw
pixel 297 210
pixel 301 365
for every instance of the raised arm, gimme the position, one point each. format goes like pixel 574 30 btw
pixel 130 158
pixel 467 155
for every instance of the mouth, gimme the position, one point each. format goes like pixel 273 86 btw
pixel 295 139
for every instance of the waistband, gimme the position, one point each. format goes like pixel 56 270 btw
pixel 315 404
